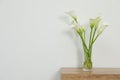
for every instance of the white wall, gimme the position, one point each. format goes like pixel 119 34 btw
pixel 35 43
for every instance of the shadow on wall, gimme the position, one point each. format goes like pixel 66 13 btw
pixel 76 40
pixel 57 75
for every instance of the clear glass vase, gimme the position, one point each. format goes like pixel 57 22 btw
pixel 87 64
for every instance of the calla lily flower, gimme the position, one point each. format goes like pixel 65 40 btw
pixel 73 15
pixel 80 29
pixel 94 22
pixel 101 29
pixel 76 29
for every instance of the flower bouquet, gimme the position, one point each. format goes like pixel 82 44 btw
pixel 95 31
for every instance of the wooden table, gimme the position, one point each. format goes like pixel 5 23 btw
pixel 96 74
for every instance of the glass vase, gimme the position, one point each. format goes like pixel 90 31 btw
pixel 87 64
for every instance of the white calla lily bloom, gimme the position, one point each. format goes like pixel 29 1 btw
pixel 101 29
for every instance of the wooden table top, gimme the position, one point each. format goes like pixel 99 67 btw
pixel 95 74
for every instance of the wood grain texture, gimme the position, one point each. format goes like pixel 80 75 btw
pixel 95 74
